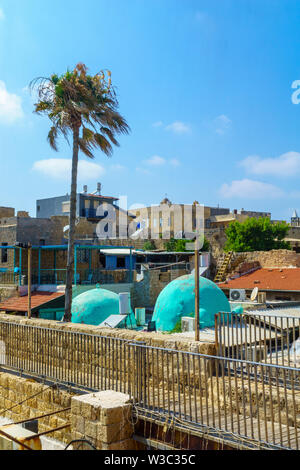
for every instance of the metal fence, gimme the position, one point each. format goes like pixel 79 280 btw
pixel 82 276
pixel 8 278
pixel 247 401
pixel 257 402
pixel 259 337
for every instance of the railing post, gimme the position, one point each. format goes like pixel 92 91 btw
pixel 130 266
pixel 20 266
pixel 39 267
pixel 217 315
pixel 139 388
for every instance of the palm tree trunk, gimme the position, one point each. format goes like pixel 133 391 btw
pixel 72 218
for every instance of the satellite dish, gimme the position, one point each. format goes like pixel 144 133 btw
pixel 254 294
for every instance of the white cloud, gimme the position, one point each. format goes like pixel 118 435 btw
pixel 155 161
pixel 178 127
pixel 157 124
pixel 2 16
pixel 249 189
pixel 222 124
pixel 60 168
pixel 174 162
pixel 287 164
pixel 10 106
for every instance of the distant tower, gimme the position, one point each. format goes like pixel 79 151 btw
pixel 295 220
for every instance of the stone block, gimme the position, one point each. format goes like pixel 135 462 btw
pixel 80 424
pixel 127 444
pixel 114 415
pixel 86 410
pixel 115 432
pixel 92 430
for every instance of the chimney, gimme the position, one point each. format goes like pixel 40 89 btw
pixel 99 188
pixel 85 188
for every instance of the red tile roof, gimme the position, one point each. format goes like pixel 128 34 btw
pixel 283 279
pixel 20 304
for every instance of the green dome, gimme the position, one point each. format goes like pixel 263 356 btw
pixel 95 306
pixel 177 300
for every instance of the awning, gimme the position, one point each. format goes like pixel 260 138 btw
pixel 120 252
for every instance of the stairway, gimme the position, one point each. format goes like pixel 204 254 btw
pixel 223 267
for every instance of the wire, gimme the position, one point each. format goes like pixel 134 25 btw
pixel 80 440
pixel 27 398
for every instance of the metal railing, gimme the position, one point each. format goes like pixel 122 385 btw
pixel 241 400
pixel 259 337
pixel 257 402
pixel 83 276
pixel 8 278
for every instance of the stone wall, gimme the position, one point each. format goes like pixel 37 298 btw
pixel 146 291
pixel 95 360
pixel 155 339
pixel 8 235
pixel 272 259
pixel 7 212
pixel 103 418
pixel 18 403
pixel 217 240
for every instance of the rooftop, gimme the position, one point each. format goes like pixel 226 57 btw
pixel 281 279
pixel 20 304
pixel 100 196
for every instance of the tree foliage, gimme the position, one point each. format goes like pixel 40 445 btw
pixel 256 235
pixel 149 245
pixel 79 100
pixel 180 244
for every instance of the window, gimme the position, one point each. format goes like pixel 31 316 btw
pixel 66 207
pixel 102 261
pixel 120 262
pixel 83 256
pixel 42 242
pixel 4 254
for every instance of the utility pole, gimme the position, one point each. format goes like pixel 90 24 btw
pixel 29 248
pixel 196 291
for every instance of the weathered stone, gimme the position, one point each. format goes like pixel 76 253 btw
pixel 127 444
pixel 115 432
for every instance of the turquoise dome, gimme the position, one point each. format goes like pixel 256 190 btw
pixel 95 306
pixel 177 300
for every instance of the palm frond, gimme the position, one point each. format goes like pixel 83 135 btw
pixel 103 144
pixel 52 137
pixel 77 99
pixel 86 147
pixel 110 135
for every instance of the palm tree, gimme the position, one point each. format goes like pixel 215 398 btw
pixel 84 107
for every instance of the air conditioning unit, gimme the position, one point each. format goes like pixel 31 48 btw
pixel 187 324
pixel 237 295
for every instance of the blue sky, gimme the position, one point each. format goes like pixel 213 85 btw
pixel 206 87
